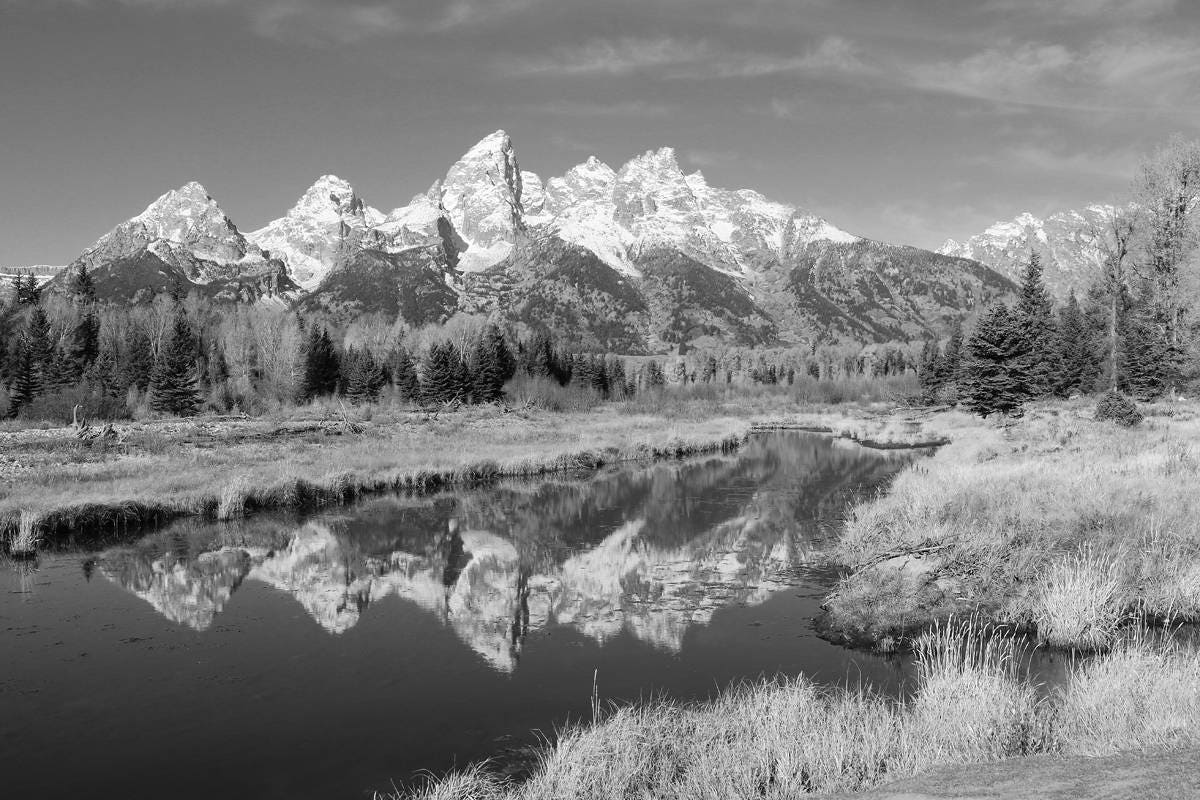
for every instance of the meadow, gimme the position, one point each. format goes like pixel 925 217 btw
pixel 1054 523
pixel 790 738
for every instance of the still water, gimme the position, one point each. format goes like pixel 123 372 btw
pixel 329 655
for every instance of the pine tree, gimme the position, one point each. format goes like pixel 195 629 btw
pixel 82 286
pixel 1146 362
pixel 1077 360
pixel 404 374
pixel 441 374
pixel 995 375
pixel 364 378
pixel 33 361
pixel 173 380
pixel 136 360
pixel 217 369
pixel 494 366
pixel 928 371
pixel 1035 321
pixel 617 380
pixel 83 345
pixel 321 366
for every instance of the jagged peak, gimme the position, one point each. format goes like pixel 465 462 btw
pixel 662 160
pixel 191 198
pixel 492 143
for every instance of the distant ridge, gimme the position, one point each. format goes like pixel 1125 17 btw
pixel 644 258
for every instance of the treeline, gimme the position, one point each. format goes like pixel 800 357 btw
pixel 1136 331
pixel 178 356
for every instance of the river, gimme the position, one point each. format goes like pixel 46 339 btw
pixel 332 654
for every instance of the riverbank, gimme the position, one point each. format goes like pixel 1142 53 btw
pixel 54 487
pixel 1054 523
pixel 791 738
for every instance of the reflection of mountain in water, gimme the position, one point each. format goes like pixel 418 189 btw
pixel 650 551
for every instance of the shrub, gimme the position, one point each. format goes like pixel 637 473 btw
pixel 1116 407
pixel 58 407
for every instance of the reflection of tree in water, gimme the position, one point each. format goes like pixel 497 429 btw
pixel 651 549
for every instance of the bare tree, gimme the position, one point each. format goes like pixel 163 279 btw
pixel 1114 236
pixel 1167 194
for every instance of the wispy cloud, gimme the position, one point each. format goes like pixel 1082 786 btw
pixel 674 58
pixel 625 108
pixel 1102 10
pixel 1119 74
pixel 336 21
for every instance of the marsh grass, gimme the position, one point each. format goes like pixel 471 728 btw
pixel 790 738
pixel 1079 601
pixel 224 470
pixel 1054 520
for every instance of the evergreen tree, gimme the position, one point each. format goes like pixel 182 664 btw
pixel 83 345
pixel 617 380
pixel 404 374
pixel 1146 362
pixel 32 363
pixel 950 362
pixel 441 374
pixel 655 378
pixel 26 290
pixel 1035 321
pixel 321 366
pixel 928 372
pixel 1077 360
pixel 494 366
pixel 136 360
pixel 995 375
pixel 173 380
pixel 364 378
pixel 82 286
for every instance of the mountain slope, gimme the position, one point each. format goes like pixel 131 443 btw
pixel 327 222
pixel 642 258
pixel 1068 243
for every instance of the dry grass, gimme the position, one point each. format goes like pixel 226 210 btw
pixel 1079 602
pixel 222 469
pixel 785 739
pixel 1054 519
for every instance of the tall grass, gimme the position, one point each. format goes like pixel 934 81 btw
pixel 264 464
pixel 1055 521
pixel 1079 601
pixel 789 738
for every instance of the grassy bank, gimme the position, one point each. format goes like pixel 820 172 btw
pixel 790 738
pixel 52 485
pixel 1055 523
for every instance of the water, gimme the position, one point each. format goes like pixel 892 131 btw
pixel 330 655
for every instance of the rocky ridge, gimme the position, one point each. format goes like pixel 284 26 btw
pixel 643 258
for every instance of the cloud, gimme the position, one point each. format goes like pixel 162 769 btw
pixel 1125 73
pixel 338 21
pixel 1116 164
pixel 1102 10
pixel 625 108
pixel 674 58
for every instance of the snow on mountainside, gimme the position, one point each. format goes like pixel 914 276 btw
pixel 325 225
pixel 1067 243
pixel 644 257
pixel 183 238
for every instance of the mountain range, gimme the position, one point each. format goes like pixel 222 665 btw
pixel 644 258
pixel 1069 243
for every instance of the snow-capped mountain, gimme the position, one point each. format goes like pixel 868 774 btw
pixel 183 239
pixel 641 258
pixel 326 224
pixel 1068 242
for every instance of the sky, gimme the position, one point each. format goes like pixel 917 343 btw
pixel 908 121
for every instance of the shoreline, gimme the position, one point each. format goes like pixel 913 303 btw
pixel 235 491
